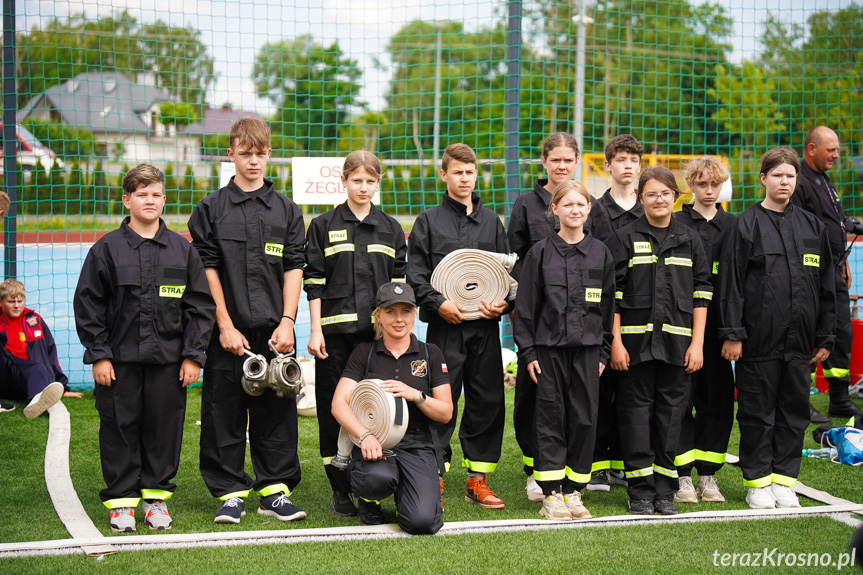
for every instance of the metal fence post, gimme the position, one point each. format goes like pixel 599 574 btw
pixel 10 140
pixel 513 95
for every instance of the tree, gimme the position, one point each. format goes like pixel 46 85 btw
pixel 747 105
pixel 172 191
pixel 75 185
pixel 66 141
pixel 62 48
pixel 177 114
pixel 313 87
pixel 187 189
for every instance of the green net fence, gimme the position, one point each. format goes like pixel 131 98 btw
pixel 102 85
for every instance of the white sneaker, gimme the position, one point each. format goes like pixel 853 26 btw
pixel 156 515
pixel 43 400
pixel 760 498
pixel 685 491
pixel 534 491
pixel 784 495
pixel 576 508
pixel 707 489
pixel 554 508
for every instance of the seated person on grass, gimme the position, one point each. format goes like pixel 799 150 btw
pixel 29 368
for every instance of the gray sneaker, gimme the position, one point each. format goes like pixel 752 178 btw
pixel 43 400
pixel 156 515
pixel 122 519
pixel 708 490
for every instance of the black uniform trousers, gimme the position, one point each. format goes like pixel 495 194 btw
pixel 327 374
pixel 837 364
pixel 606 453
pixel 704 434
pixel 412 475
pixel 22 378
pixel 140 432
pixel 651 398
pixel 225 410
pixel 524 405
pixel 567 400
pixel 773 414
pixel 472 355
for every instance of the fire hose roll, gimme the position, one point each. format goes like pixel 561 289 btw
pixel 468 277
pixel 380 412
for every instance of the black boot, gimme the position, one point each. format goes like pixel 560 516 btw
pixel 840 403
pixel 816 416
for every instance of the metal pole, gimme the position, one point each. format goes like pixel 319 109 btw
pixel 513 96
pixel 10 141
pixel 578 116
pixel 437 97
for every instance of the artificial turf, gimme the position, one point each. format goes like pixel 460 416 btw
pixel 26 513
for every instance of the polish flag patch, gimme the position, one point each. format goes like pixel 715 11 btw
pixel 443 366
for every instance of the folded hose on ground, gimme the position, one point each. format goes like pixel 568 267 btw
pixel 380 412
pixel 468 277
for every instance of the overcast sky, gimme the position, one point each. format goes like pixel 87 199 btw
pixel 235 30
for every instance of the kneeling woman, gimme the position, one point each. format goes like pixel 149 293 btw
pixel 416 372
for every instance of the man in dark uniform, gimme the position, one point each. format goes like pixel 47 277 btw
pixel 816 194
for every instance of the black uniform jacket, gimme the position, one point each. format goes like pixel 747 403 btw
pixel 252 241
pixel 444 229
pixel 565 297
pixel 414 368
pixel 606 217
pixel 778 285
pixel 815 194
pixel 714 234
pixel 529 222
pixel 143 300
pixel 658 285
pixel 346 261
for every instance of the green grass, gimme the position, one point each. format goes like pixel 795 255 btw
pixel 26 514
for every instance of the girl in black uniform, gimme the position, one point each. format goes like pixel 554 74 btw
pixel 531 221
pixel 350 251
pixel 663 289
pixel 416 372
pixel 563 321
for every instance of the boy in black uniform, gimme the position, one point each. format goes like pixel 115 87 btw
pixel 816 194
pixel 351 251
pixel 663 283
pixel 250 238
pixel 704 435
pixel 530 222
pixel 778 309
pixel 618 207
pixel 471 348
pixel 144 314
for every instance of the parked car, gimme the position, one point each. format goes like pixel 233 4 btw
pixel 31 152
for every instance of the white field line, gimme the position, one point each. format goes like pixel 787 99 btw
pixel 177 541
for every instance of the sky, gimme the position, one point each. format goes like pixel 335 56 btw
pixel 235 30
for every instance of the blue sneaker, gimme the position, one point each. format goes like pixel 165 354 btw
pixel 279 506
pixel 231 511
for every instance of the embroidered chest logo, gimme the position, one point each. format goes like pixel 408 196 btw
pixel 274 249
pixel 419 368
pixel 338 236
pixel 811 260
pixel 593 295
pixel 21 336
pixel 642 247
pixel 172 291
pixel 32 320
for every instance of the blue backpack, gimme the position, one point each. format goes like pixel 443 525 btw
pixel 848 442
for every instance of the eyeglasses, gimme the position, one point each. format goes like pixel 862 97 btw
pixel 653 196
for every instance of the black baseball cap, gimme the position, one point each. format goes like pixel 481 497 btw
pixel 393 293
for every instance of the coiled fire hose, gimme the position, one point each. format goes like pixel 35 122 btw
pixel 380 412
pixel 468 277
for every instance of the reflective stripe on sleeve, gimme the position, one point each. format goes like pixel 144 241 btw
pixel 342 318
pixel 674 261
pixel 381 249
